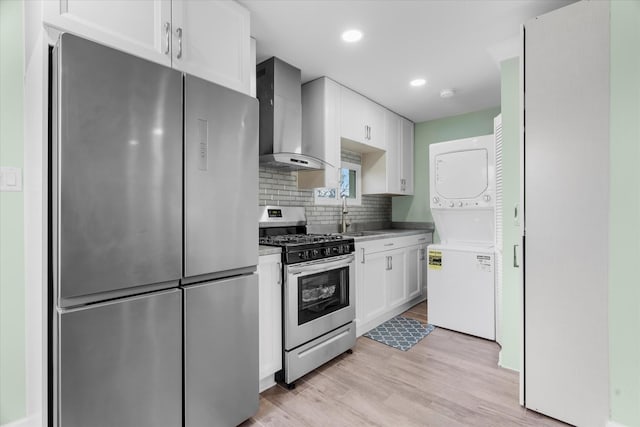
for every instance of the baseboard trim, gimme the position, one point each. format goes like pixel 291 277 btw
pixel 32 421
pixel 509 368
pixel 265 383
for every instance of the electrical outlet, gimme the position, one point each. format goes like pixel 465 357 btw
pixel 10 179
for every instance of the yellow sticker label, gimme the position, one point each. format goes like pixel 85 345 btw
pixel 435 260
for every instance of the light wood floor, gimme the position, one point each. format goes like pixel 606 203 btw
pixel 447 379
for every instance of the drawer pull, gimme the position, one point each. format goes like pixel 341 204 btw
pixel 389 244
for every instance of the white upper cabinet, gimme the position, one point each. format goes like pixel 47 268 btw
pixel 393 125
pixel 208 39
pixel 406 157
pixel 362 120
pixel 211 40
pixel 390 171
pixel 139 27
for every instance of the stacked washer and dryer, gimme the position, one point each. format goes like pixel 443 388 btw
pixel 462 267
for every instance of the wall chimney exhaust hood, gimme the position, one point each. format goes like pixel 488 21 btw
pixel 279 92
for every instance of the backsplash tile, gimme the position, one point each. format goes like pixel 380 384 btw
pixel 280 188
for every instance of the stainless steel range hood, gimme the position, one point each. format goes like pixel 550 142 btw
pixel 279 92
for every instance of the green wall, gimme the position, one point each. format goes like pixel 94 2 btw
pixel 416 207
pixel 511 322
pixel 12 298
pixel 624 243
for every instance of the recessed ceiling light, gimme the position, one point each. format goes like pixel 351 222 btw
pixel 418 82
pixel 447 93
pixel 351 36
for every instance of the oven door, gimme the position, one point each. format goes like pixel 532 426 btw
pixel 318 298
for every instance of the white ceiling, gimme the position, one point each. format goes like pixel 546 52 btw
pixel 454 44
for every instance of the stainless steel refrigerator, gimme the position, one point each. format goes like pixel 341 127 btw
pixel 153 290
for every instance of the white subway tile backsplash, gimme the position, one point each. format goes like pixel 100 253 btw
pixel 279 187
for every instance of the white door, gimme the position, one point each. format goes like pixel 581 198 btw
pixel 139 27
pixel 211 40
pixel 566 171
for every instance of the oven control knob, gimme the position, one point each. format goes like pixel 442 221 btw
pixel 316 252
pixel 304 254
pixel 327 251
pixel 346 249
pixel 335 250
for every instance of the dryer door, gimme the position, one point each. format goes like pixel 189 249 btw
pixel 462 174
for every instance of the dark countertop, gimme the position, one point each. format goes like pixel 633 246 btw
pixel 385 234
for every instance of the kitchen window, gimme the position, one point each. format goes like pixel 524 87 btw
pixel 350 187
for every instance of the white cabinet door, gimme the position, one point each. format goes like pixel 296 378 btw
pixel 414 287
pixel 373 286
pixel 406 157
pixel 139 27
pixel 393 125
pixel 211 40
pixel 362 120
pixel 270 316
pixel 375 121
pixel 395 278
pixel 353 124
pixel 422 270
pixel 390 172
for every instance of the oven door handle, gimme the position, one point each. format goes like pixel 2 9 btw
pixel 320 265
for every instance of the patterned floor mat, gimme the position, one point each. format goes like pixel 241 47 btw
pixel 400 332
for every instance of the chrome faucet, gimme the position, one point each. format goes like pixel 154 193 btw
pixel 345 222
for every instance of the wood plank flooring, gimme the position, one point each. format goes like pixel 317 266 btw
pixel 447 379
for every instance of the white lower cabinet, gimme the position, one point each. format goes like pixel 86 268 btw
pixel 391 276
pixel 373 302
pixel 270 318
pixel 396 278
pixel 417 271
pixel 413 271
pixel 422 269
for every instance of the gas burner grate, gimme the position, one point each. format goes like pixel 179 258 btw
pixel 297 239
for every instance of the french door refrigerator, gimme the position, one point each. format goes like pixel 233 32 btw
pixel 153 291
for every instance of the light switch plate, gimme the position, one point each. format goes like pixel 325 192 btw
pixel 10 179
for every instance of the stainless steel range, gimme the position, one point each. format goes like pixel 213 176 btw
pixel 318 293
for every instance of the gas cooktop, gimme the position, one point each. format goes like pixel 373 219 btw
pixel 285 226
pixel 299 239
